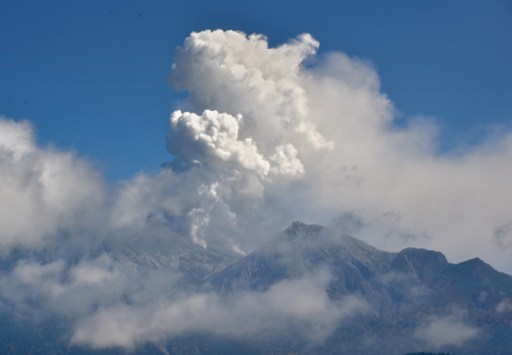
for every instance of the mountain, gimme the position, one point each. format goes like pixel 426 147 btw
pixel 409 301
pixel 303 248
pixel 409 291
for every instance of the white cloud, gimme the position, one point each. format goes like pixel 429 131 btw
pixel 378 170
pixel 300 304
pixel 42 190
pixel 110 304
pixel 446 331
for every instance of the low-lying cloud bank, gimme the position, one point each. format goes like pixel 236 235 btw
pixel 262 140
pixel 441 332
pixel 299 305
pixel 111 304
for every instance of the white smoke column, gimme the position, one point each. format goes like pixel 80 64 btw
pixel 251 124
pixel 230 72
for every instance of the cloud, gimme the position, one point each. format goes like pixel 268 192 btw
pixel 394 178
pixel 110 304
pixel 504 306
pixel 217 134
pixel 446 332
pixel 300 305
pixel 42 191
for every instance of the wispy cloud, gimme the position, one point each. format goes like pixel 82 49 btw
pixel 446 331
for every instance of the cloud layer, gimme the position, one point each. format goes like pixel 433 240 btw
pixel 300 304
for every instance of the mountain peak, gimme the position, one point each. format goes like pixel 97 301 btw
pixel 475 265
pixel 300 228
pixel 423 263
pixel 424 254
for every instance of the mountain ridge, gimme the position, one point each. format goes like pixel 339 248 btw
pixel 406 289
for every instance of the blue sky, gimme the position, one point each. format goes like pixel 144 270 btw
pixel 92 76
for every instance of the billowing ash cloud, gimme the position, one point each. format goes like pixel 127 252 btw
pixel 262 140
pixel 234 73
pixel 217 134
